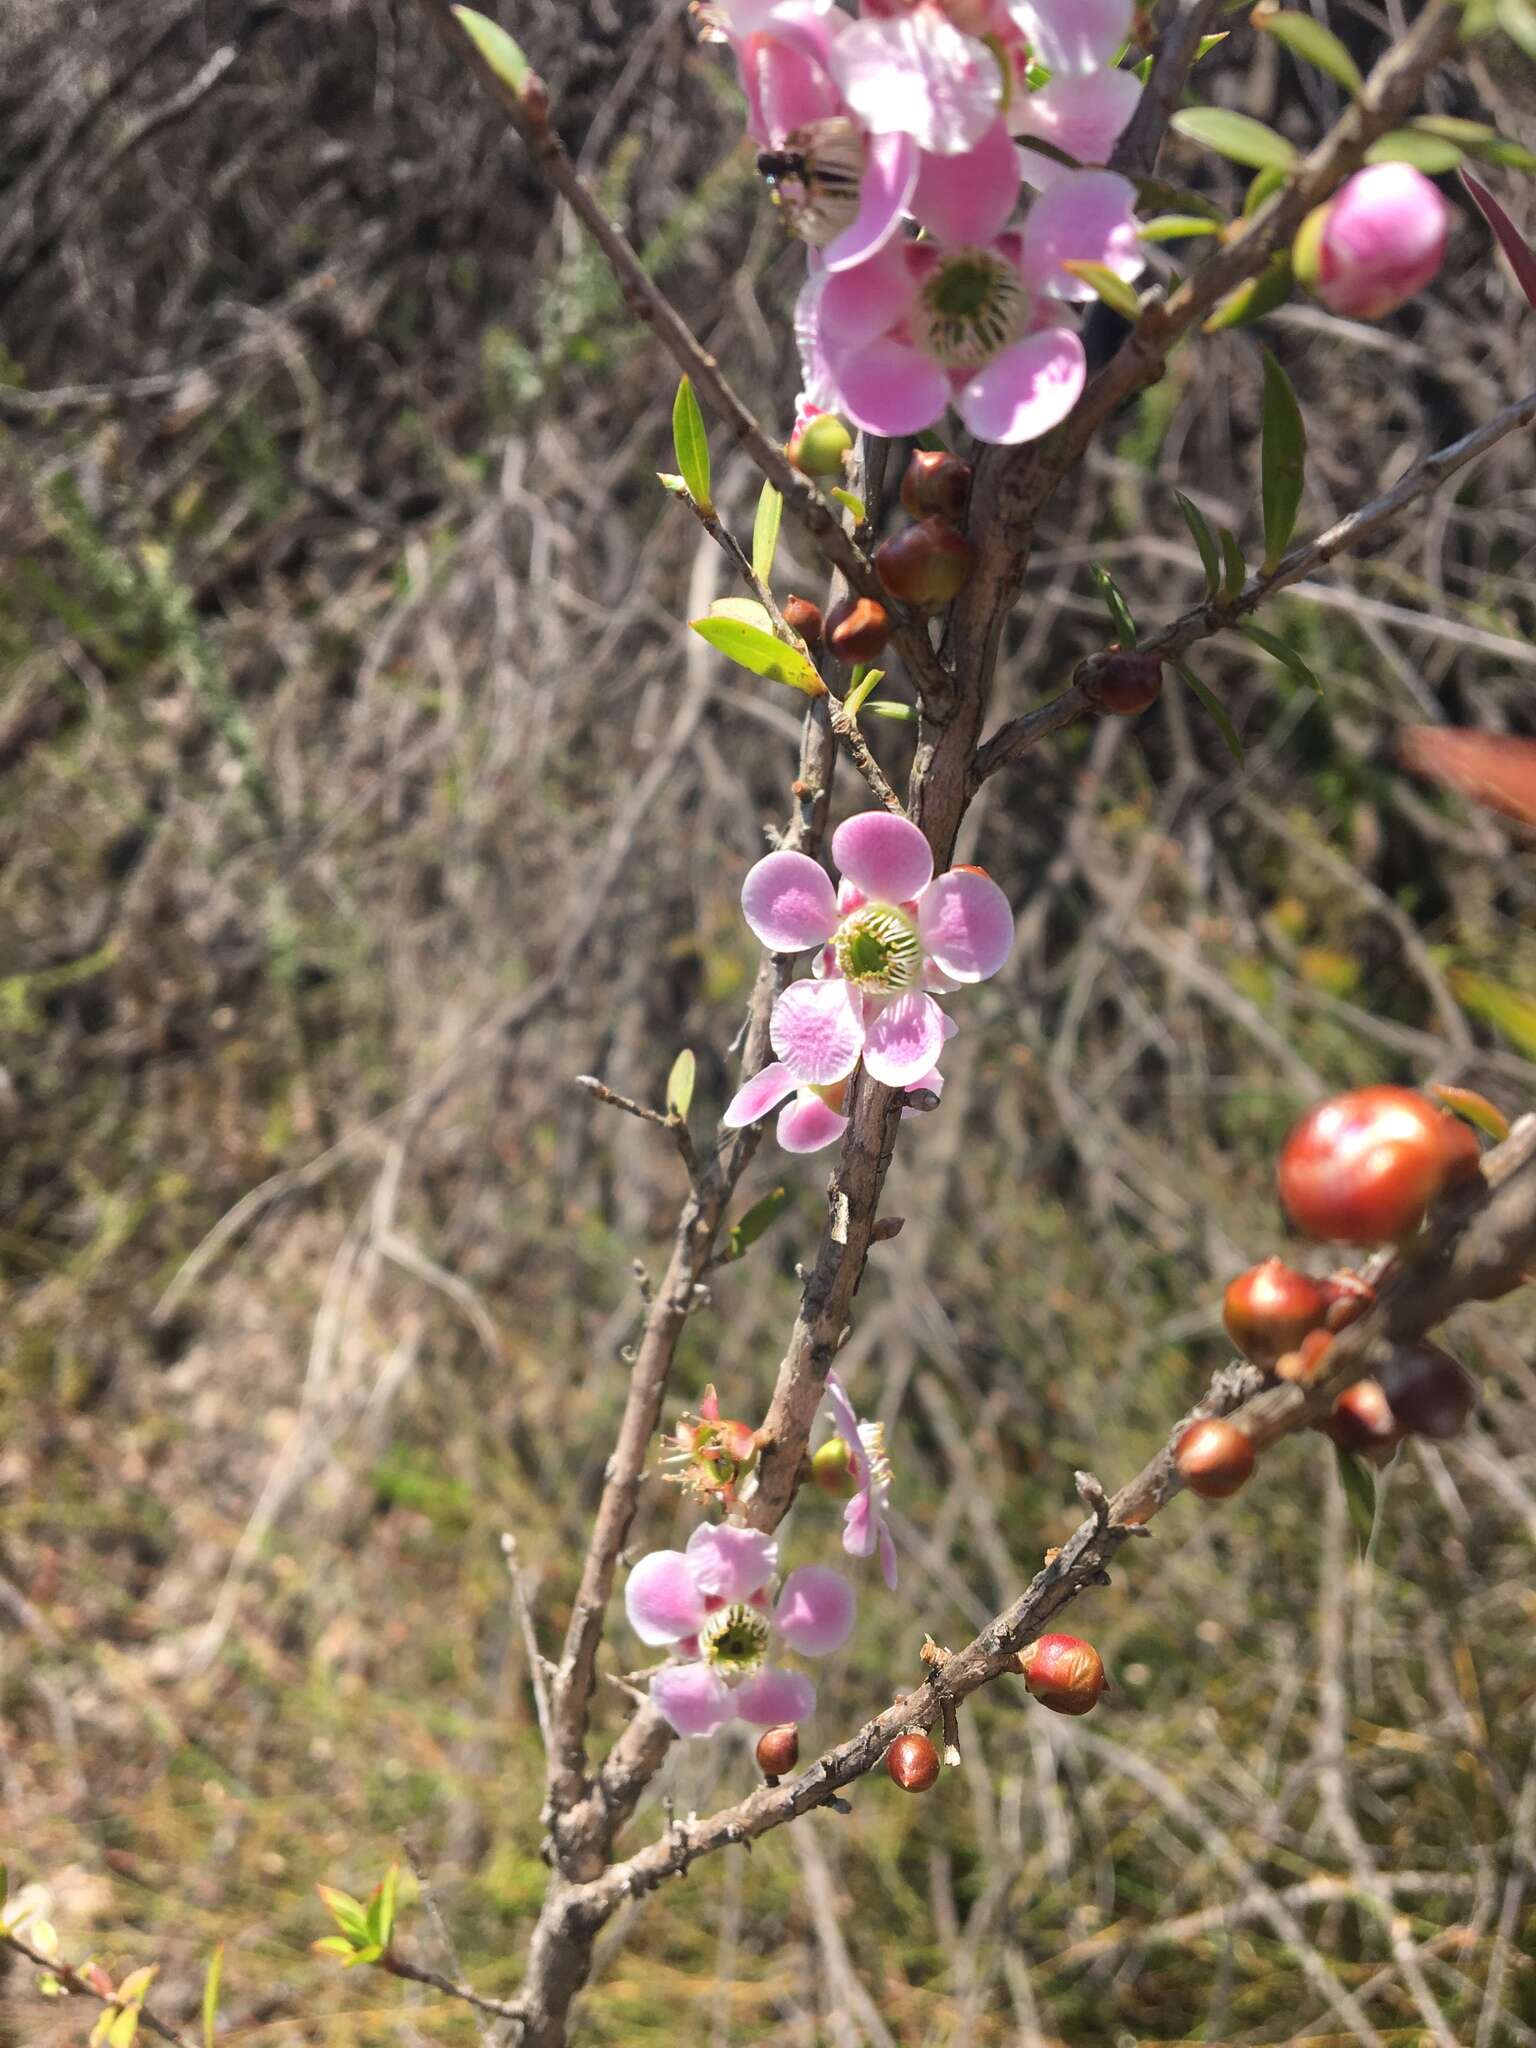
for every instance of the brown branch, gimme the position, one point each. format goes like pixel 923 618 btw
pixel 1011 742
pixel 416 1973
pixel 82 1987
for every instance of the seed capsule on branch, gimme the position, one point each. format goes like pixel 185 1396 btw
pixel 832 1469
pixel 778 1750
pixel 1214 1458
pixel 1121 683
pixel 1362 1419
pixel 913 1762
pixel 1063 1673
pixel 1270 1308
pixel 1362 1168
pixel 935 483
pixel 1430 1394
pixel 927 565
pixel 804 618
pixel 857 629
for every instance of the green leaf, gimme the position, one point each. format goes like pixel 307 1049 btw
pixel 1282 652
pixel 864 687
pixel 1479 140
pixel 1156 195
pixel 746 610
pixel 1215 708
pixel 1261 186
pixel 765 532
pixel 496 48
pixel 692 445
pixel 1200 532
pixel 1208 43
pixel 381 1907
pixel 1237 136
pixel 758 1218
pixel 853 502
pixel 346 1911
pixel 1431 154
pixel 332 1945
pixel 751 648
pixel 1232 558
pixel 1100 279
pixel 1509 1010
pixel 370 1954
pixel 1283 463
pixel 1171 227
pixel 1518 21
pixel 1359 1484
pixel 904 714
pixel 1119 610
pixel 211 1984
pixel 1483 1115
pixel 1255 297
pixel 680 1083
pixel 1314 44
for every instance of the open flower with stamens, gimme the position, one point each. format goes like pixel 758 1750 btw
pixel 893 935
pixel 865 1528
pixel 712 1452
pixel 709 1603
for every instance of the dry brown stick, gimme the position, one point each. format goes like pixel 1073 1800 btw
pixel 82 1987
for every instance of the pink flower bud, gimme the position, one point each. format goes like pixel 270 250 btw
pixel 1380 239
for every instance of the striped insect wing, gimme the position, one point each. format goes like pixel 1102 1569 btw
pixel 814 178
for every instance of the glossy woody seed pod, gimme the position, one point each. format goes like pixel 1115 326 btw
pixel 1362 1419
pixel 778 1750
pixel 1214 1458
pixel 935 483
pixel 1124 684
pixel 857 629
pixel 1270 1308
pixel 1430 1394
pixel 804 618
pixel 1362 1168
pixel 1063 1673
pixel 926 565
pixel 913 1762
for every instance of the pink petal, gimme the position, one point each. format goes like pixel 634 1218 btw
pixel 858 1527
pixel 885 856
pixel 1087 217
pixel 1383 240
pixel 817 1030
pixel 789 902
pixel 808 1124
pixel 966 924
pixel 815 1613
pixel 820 392
pixel 730 1563
pixel 788 89
pixel 887 388
pixel 773 1695
pixel 920 76
pixel 887 1558
pixel 1084 116
pixel 662 1598
pixel 968 198
pixel 1073 35
pixel 904 1039
pixel 890 172
pixel 864 300
pixel 692 1699
pixel 1027 390
pixel 756 1097
pixel 845 1418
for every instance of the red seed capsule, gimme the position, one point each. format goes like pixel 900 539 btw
pixel 1214 1458
pixel 1063 1673
pixel 778 1750
pixel 1430 1394
pixel 926 565
pixel 857 629
pixel 1362 1419
pixel 1301 1365
pixel 1270 1308
pixel 913 1762
pixel 1124 684
pixel 804 618
pixel 1362 1168
pixel 935 483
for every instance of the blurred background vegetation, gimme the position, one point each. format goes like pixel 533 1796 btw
pixel 342 612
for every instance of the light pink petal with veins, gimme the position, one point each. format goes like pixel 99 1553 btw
pixel 968 198
pixel 1073 36
pixel 885 856
pixel 729 1563
pixel 919 75
pixel 1027 390
pixel 756 1097
pixel 789 902
pixel 815 1611
pixel 817 1030
pixel 786 87
pixel 966 925
pixel 663 1598
pixel 887 1557
pixel 771 1696
pixel 904 1039
pixel 1083 116
pixel 890 173
pixel 1085 217
pixel 846 1421
pixel 858 303
pixel 692 1699
pixel 886 387
pixel 808 1124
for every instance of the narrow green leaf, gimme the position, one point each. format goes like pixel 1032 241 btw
pixel 1508 1010
pixel 1114 291
pixel 1208 43
pixel 1215 708
pixel 1236 571
pixel 1314 44
pixel 369 1954
pixel 1156 195
pixel 758 1218
pixel 211 1994
pixel 381 1907
pixel 497 49
pixel 864 687
pixel 765 532
pixel 1483 1115
pixel 680 1083
pixel 746 610
pixel 1285 654
pixel 1172 227
pixel 1431 154
pixel 1478 140
pixel 1517 250
pixel 1518 21
pixel 1284 460
pixel 692 445
pixel 1253 299
pixel 853 502
pixel 1236 136
pixel 1200 532
pixel 751 648
pixel 346 1911
pixel 1119 610
pixel 1359 1484
pixel 1261 186
pixel 332 1945
pixel 903 714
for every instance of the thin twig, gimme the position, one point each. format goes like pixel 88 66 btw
pixel 82 1987
pixel 524 1613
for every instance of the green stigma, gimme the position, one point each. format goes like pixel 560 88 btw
pixel 878 948
pixel 735 1640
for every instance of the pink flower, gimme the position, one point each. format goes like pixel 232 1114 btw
pixel 892 935
pixel 1380 239
pixel 893 341
pixel 708 1601
pixel 864 1525
pixel 1087 102
pixel 916 74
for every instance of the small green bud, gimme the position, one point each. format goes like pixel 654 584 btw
pixel 831 1470
pixel 819 447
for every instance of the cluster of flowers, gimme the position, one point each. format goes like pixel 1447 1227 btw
pixel 912 115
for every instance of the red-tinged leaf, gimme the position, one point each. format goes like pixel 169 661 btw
pixel 1491 768
pixel 1482 1114
pixel 1522 257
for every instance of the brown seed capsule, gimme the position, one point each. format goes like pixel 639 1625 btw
pixel 1362 1419
pixel 1270 1308
pixel 926 565
pixel 1063 1673
pixel 935 483
pixel 1123 684
pixel 804 618
pixel 857 629
pixel 1362 1168
pixel 913 1762
pixel 1214 1458
pixel 778 1750
pixel 1430 1394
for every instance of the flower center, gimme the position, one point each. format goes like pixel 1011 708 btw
pixel 734 1640
pixel 872 1437
pixel 878 947
pixel 972 307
